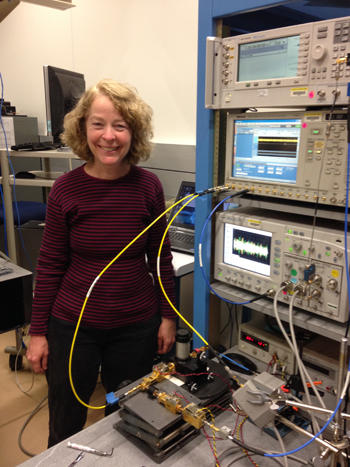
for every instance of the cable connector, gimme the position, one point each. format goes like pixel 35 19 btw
pixel 111 398
pixel 301 288
pixel 221 189
pixel 309 272
pixel 341 60
pixel 214 189
pixel 288 286
pixel 270 293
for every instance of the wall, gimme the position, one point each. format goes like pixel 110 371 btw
pixel 150 44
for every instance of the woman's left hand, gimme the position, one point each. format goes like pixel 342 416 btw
pixel 166 335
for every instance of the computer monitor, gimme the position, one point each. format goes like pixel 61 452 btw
pixel 63 89
pixel 186 218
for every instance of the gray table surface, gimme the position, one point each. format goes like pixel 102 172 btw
pixel 196 453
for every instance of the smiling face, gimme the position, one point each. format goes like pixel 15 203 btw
pixel 109 139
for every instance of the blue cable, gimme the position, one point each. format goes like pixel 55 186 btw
pixel 311 439
pixel 348 283
pixel 201 242
pixel 234 362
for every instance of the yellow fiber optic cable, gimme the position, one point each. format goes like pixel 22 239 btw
pixel 160 280
pixel 93 285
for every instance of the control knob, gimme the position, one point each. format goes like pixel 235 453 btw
pixel 318 51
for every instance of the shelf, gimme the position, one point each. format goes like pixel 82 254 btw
pixel 32 182
pixel 44 179
pixel 53 154
pixel 322 211
pixel 311 322
pixel 57 4
pixel 7 7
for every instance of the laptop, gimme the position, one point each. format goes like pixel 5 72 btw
pixel 181 231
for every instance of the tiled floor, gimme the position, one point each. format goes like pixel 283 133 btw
pixel 16 407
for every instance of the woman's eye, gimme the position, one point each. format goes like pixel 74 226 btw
pixel 96 124
pixel 120 127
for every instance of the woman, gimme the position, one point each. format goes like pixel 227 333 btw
pixel 93 212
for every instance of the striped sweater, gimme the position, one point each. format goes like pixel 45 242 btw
pixel 88 222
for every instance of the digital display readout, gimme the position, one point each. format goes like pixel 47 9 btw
pixel 251 339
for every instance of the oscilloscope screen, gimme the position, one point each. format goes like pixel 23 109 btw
pixel 247 248
pixel 266 149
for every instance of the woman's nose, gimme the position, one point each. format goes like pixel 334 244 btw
pixel 109 133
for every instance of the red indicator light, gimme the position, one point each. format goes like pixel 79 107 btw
pixel 253 340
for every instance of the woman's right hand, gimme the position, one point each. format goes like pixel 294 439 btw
pixel 37 353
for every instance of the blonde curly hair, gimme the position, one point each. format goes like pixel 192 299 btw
pixel 136 113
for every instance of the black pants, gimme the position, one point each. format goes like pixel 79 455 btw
pixel 125 353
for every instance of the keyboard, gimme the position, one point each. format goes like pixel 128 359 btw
pixel 36 146
pixel 183 241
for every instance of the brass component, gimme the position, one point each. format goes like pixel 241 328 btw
pixel 341 60
pixel 190 413
pixel 193 415
pixel 158 374
pixel 171 403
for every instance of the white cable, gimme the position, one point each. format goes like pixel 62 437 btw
pixel 18 384
pixel 275 308
pixel 302 368
pixel 280 440
pixel 346 384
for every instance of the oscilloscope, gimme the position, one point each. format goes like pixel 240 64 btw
pixel 257 250
pixel 291 155
pixel 293 66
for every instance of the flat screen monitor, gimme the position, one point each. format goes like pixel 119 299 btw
pixel 266 150
pixel 63 89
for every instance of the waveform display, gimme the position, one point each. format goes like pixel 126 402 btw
pixel 277 146
pixel 251 246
